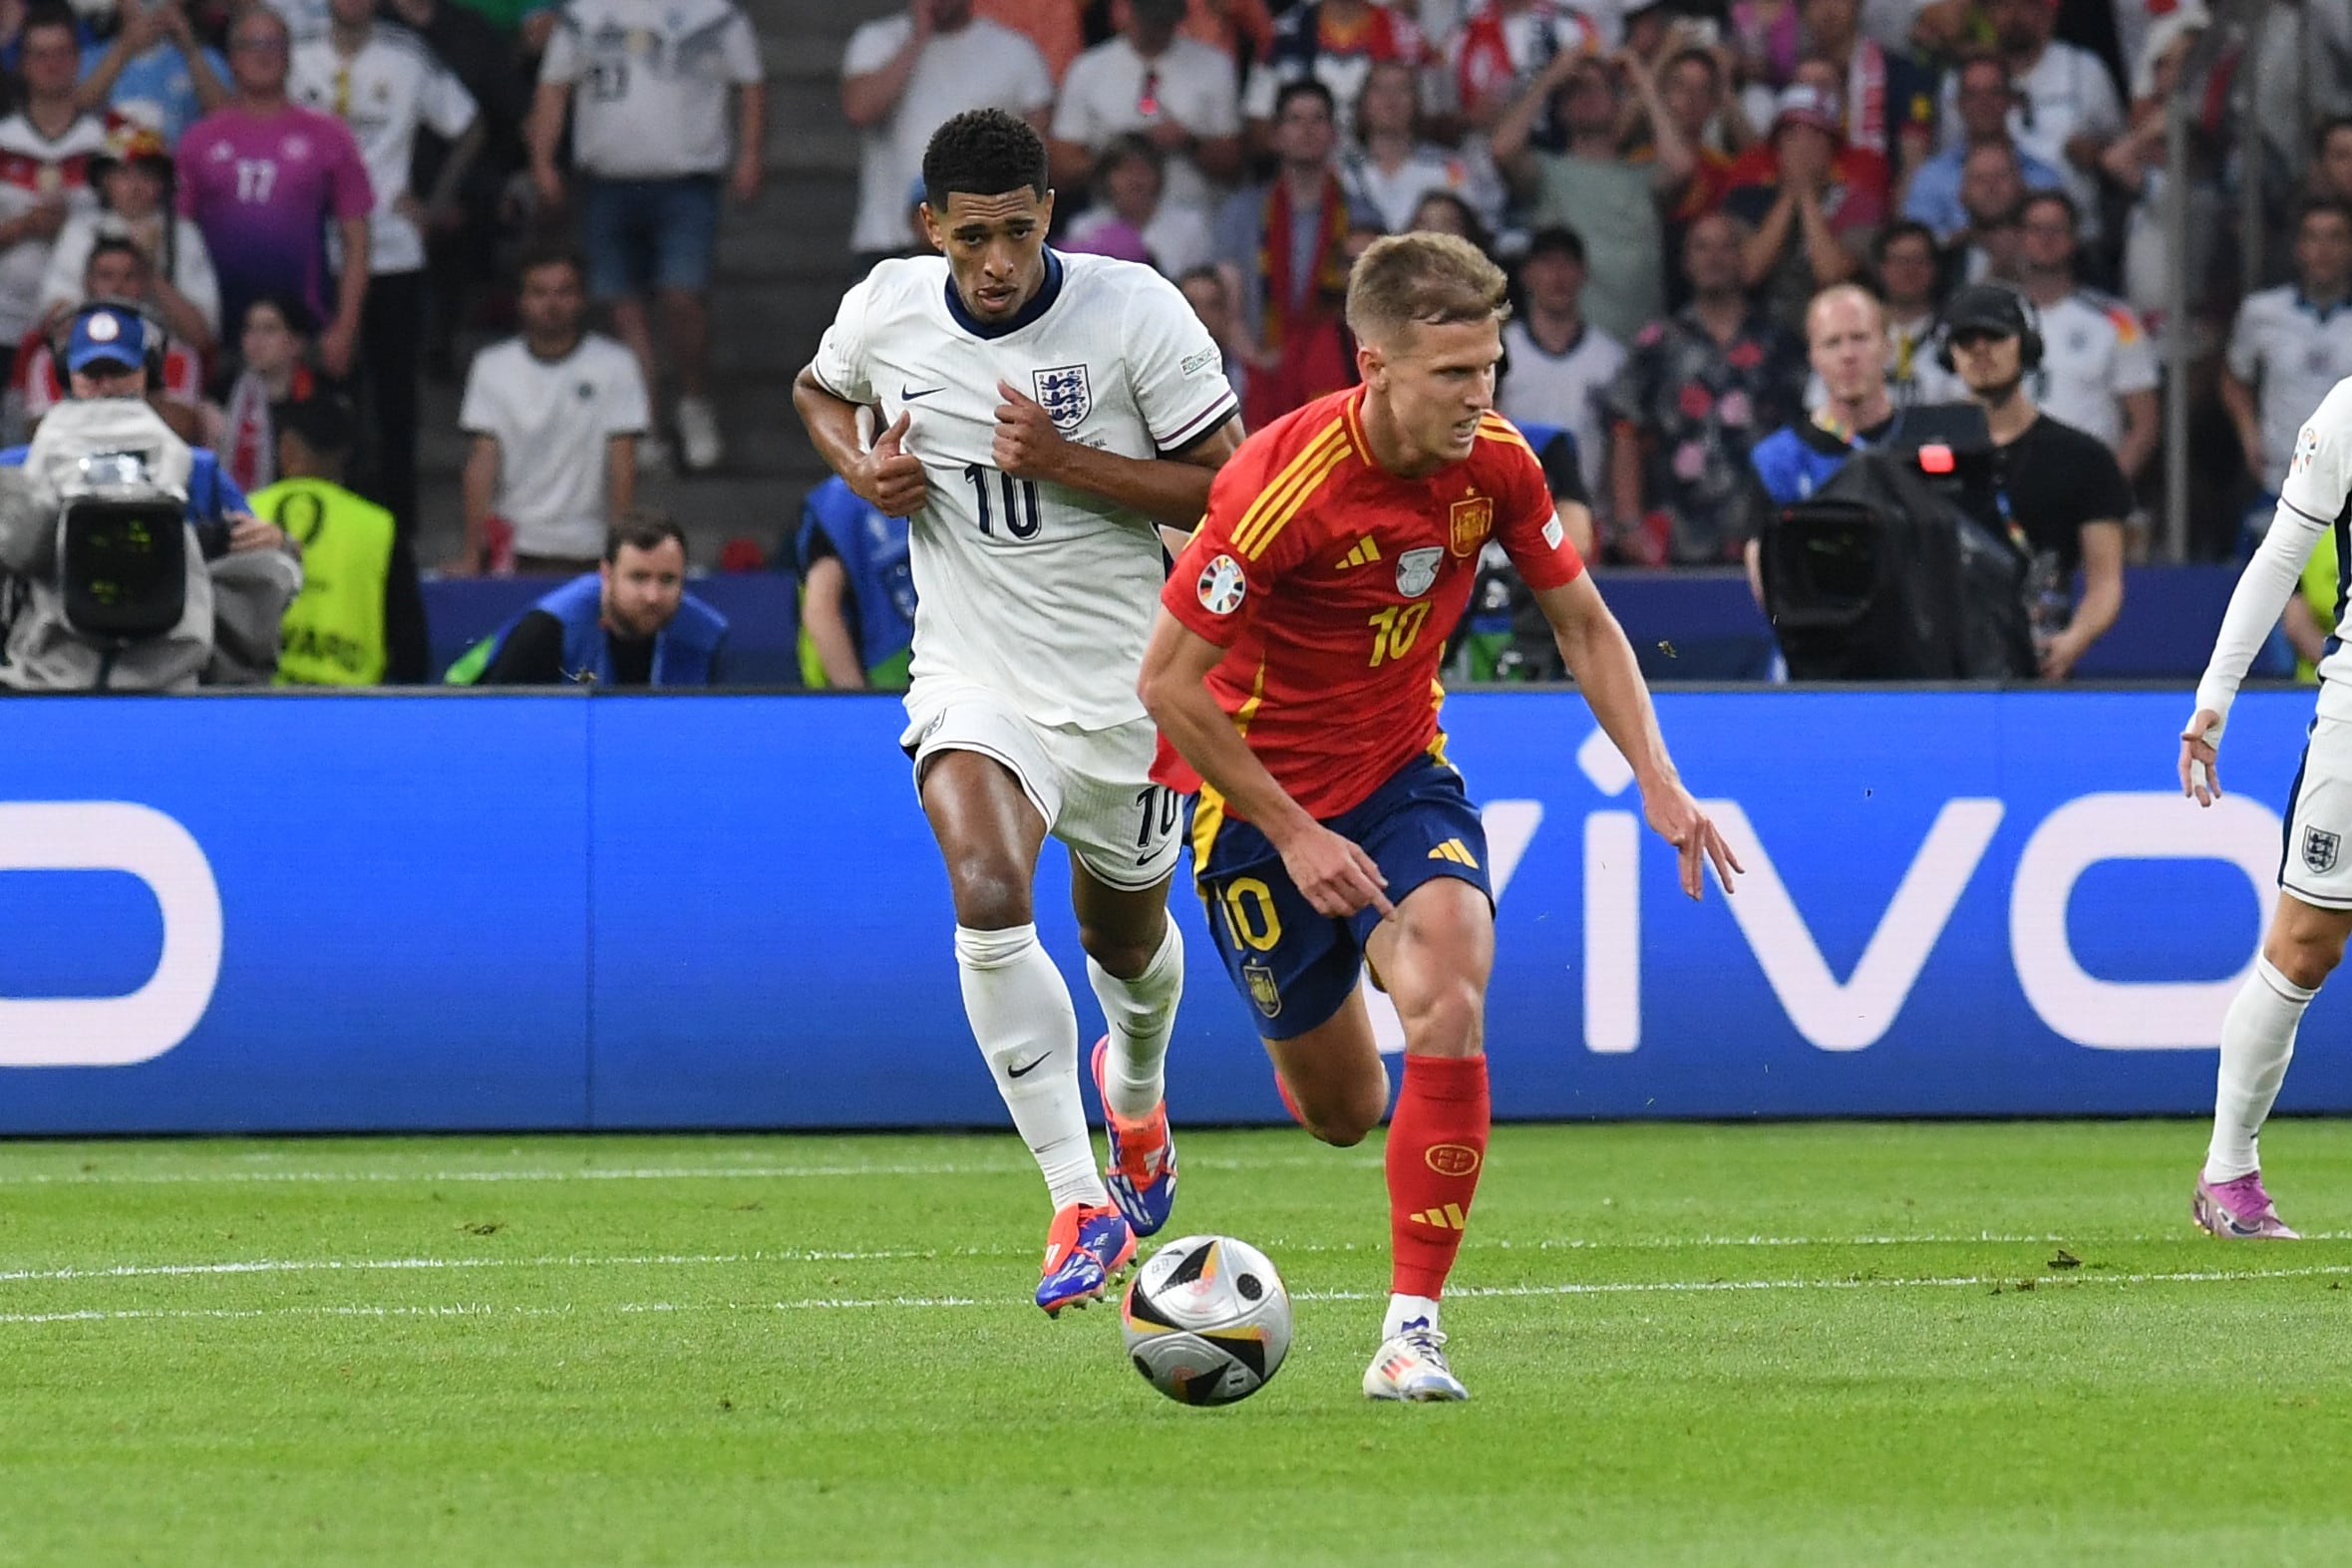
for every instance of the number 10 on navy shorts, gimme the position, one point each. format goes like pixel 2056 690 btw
pixel 1295 967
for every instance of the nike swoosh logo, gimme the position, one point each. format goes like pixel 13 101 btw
pixel 1024 1071
pixel 908 395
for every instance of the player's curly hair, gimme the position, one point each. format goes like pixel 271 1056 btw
pixel 1423 279
pixel 982 153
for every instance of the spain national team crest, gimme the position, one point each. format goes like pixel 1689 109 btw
pixel 1417 570
pixel 1472 520
pixel 2319 850
pixel 1065 395
pixel 1262 989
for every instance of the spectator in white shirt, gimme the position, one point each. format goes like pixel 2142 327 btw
pixel 555 415
pixel 1392 169
pixel 1131 191
pixel 906 76
pixel 1149 81
pixel 2099 369
pixel 2290 346
pixel 1557 365
pixel 134 179
pixel 2067 110
pixel 382 82
pixel 45 148
pixel 650 139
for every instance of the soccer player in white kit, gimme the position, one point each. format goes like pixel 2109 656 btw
pixel 1039 413
pixel 2305 941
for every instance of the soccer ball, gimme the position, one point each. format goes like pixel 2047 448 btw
pixel 1206 1321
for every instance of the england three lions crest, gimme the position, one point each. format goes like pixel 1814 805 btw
pixel 2319 850
pixel 1065 395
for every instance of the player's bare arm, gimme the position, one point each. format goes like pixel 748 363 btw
pixel 886 474
pixel 1172 488
pixel 1335 875
pixel 1602 661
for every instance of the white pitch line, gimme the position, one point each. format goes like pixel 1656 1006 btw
pixel 246 1266
pixel 96 1178
pixel 853 1304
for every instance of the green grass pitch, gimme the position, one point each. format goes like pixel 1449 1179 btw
pixel 1763 1345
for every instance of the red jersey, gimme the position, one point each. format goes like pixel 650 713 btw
pixel 1333 585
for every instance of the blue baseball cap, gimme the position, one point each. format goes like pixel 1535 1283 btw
pixel 105 334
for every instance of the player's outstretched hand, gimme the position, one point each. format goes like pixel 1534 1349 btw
pixel 1028 442
pixel 1695 837
pixel 1336 873
pixel 891 478
pixel 2201 753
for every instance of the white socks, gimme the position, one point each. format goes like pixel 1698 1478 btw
pixel 1142 1014
pixel 1403 1310
pixel 2257 1038
pixel 1021 1015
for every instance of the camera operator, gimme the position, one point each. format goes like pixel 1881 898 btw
pixel 2060 486
pixel 1846 343
pixel 107 447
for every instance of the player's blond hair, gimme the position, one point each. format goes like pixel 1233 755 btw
pixel 1422 279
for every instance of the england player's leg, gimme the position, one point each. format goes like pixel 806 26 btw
pixel 1123 842
pixel 981 779
pixel 2301 949
pixel 1134 958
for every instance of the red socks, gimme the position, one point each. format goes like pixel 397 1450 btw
pixel 1436 1141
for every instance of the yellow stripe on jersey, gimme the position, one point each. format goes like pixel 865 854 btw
pixel 1304 492
pixel 1331 437
pixel 1208 809
pixel 1495 428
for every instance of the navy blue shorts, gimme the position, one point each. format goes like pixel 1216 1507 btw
pixel 1295 967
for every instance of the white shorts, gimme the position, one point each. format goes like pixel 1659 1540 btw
pixel 2317 866
pixel 1093 786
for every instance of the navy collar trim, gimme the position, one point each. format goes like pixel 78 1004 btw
pixel 1039 303
pixel 2304 301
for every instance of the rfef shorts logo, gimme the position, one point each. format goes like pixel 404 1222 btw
pixel 1223 586
pixel 1452 1159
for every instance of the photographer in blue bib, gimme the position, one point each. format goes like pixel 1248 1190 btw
pixel 131 563
pixel 630 622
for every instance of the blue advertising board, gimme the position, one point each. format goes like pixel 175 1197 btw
pixel 477 910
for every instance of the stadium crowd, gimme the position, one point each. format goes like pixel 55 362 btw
pixel 337 198
pixel 1671 184
pixel 319 200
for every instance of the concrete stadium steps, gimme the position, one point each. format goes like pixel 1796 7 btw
pixel 781 266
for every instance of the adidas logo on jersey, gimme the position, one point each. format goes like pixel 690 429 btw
pixel 1367 552
pixel 1456 850
pixel 1450 1217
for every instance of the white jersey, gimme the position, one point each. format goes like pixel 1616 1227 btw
pixel 2094 353
pixel 1040 592
pixel 394 84
pixel 2316 497
pixel 2294 351
pixel 653 81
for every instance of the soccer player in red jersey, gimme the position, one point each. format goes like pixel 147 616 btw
pixel 1293 676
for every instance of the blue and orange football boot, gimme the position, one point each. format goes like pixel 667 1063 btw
pixel 1141 1174
pixel 1086 1253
